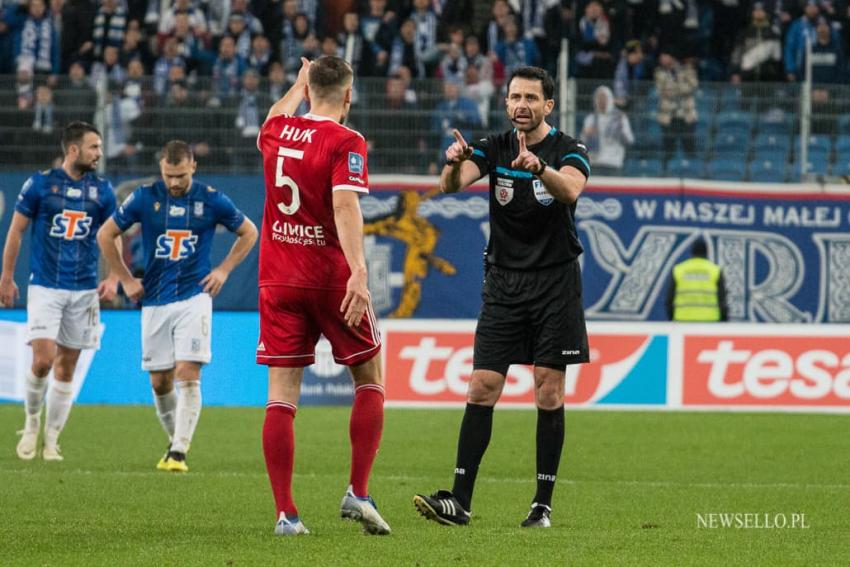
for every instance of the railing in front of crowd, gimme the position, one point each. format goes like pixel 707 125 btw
pixel 717 131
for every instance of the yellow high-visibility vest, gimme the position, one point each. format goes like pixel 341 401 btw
pixel 696 297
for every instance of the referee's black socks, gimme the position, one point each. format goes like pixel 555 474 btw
pixel 474 437
pixel 550 441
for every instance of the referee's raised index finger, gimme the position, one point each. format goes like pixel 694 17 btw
pixel 459 137
pixel 521 137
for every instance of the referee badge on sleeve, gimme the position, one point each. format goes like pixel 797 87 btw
pixel 541 194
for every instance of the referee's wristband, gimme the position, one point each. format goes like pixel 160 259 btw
pixel 543 165
pixel 452 163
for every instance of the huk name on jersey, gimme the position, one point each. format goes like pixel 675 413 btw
pixel 293 134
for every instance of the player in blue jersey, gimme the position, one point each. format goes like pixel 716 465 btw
pixel 65 207
pixel 178 217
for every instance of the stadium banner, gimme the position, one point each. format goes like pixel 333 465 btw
pixel 720 367
pixel 425 250
pixel 114 374
pixel 428 363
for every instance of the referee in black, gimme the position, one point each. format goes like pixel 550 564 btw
pixel 532 308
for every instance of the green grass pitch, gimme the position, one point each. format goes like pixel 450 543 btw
pixel 630 489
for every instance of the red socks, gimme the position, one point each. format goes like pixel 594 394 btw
pixel 365 427
pixel 279 450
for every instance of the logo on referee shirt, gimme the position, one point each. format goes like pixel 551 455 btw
pixel 355 163
pixel 71 225
pixel 504 191
pixel 175 244
pixel 541 194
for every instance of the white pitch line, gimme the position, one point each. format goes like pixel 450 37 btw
pixel 408 478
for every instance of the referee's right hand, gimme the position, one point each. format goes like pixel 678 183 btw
pixel 459 151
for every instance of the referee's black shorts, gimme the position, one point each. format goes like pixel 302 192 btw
pixel 531 317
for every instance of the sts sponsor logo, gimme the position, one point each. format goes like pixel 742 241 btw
pixel 71 225
pixel 355 163
pixel 176 244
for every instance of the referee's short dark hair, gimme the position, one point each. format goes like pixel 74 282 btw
pixel 175 151
pixel 329 76
pixel 74 133
pixel 535 74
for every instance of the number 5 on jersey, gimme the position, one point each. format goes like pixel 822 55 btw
pixel 281 180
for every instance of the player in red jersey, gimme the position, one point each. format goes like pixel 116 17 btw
pixel 313 279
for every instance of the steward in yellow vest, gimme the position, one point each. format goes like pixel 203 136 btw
pixel 697 292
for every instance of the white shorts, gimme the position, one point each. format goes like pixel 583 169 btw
pixel 177 331
pixel 71 318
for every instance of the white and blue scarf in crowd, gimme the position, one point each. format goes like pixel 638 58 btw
pixel 38 41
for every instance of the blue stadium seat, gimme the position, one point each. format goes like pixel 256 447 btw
pixel 816 144
pixel 771 148
pixel 693 168
pixel 844 125
pixel 781 128
pixel 729 169
pixel 706 102
pixel 842 147
pixel 770 153
pixel 772 141
pixel 842 144
pixel 767 171
pixel 842 167
pixel 733 122
pixel 644 168
pixel 817 163
pixel 731 98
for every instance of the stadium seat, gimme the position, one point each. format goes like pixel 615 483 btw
pixel 842 148
pixel 706 102
pixel 644 168
pixel 764 140
pixel 842 168
pixel 767 171
pixel 693 168
pixel 816 144
pixel 727 145
pixel 735 123
pixel 844 125
pixel 728 169
pixel 731 99
pixel 816 164
pixel 775 121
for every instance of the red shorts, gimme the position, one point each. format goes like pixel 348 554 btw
pixel 293 318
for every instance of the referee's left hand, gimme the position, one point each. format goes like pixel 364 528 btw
pixel 525 160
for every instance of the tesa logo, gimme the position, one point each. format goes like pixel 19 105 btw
pixel 71 225
pixel 435 366
pixel 734 370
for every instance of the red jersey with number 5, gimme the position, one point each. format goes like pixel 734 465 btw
pixel 305 159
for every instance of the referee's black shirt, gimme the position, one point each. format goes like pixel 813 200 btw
pixel 529 229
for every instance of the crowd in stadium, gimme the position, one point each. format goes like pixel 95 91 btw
pixel 242 54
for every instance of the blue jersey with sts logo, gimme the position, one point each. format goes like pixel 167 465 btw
pixel 65 215
pixel 177 236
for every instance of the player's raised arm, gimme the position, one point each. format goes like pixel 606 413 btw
pixel 289 102
pixel 106 237
pixel 565 184
pixel 458 172
pixel 246 237
pixel 8 288
pixel 349 227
